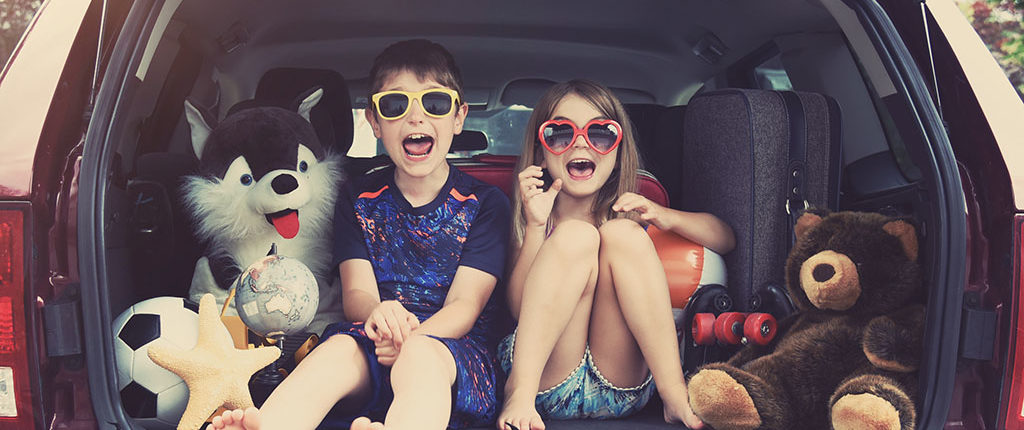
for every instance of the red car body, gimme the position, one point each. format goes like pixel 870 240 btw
pixel 47 106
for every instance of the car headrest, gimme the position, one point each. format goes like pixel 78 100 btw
pixel 469 140
pixel 525 92
pixel 331 118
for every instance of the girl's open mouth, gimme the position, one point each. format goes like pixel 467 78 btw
pixel 418 146
pixel 580 169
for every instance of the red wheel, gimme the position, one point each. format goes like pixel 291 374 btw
pixel 760 328
pixel 729 327
pixel 703 329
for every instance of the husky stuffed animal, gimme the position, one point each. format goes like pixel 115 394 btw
pixel 264 178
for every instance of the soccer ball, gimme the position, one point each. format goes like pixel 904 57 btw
pixel 153 396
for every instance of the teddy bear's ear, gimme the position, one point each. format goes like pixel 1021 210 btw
pixel 310 101
pixel 906 234
pixel 805 223
pixel 200 129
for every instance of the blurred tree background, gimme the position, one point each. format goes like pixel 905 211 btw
pixel 1000 23
pixel 14 18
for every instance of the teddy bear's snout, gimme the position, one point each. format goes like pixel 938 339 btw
pixel 830 280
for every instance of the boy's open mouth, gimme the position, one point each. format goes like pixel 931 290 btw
pixel 286 222
pixel 418 145
pixel 580 169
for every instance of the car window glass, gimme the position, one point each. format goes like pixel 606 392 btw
pixel 14 18
pixel 770 75
pixel 503 128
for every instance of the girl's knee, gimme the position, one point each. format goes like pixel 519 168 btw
pixel 576 237
pixel 623 234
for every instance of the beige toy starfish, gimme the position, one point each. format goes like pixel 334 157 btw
pixel 216 373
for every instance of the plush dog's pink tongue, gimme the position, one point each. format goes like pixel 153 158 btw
pixel 287 225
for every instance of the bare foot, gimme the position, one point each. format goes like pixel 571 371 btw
pixel 238 420
pixel 677 409
pixel 363 423
pixel 520 413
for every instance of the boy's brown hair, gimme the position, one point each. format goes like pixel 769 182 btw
pixel 425 59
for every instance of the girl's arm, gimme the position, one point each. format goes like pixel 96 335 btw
pixel 466 298
pixel 533 237
pixel 537 205
pixel 699 227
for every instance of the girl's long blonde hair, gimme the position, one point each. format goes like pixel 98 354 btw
pixel 627 162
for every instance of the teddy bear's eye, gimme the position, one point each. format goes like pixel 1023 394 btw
pixel 303 166
pixel 246 179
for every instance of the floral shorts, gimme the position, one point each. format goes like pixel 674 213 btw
pixel 585 393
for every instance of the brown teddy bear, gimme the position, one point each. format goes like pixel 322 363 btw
pixel 848 358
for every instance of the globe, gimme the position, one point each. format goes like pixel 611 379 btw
pixel 276 296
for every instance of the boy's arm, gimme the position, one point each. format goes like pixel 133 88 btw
pixel 466 298
pixel 359 295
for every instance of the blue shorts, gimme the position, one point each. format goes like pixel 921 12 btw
pixel 585 393
pixel 474 401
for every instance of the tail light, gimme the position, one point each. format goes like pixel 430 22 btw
pixel 15 390
pixel 1013 404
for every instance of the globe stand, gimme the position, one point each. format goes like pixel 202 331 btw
pixel 269 377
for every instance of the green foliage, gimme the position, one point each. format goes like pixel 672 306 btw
pixel 14 18
pixel 1000 23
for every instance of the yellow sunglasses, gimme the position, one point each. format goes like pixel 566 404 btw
pixel 436 102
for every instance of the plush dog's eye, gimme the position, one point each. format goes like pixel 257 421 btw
pixel 246 179
pixel 303 166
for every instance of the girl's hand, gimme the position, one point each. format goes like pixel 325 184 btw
pixel 537 203
pixel 390 321
pixel 649 211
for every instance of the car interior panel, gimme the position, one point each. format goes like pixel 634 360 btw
pixel 777 89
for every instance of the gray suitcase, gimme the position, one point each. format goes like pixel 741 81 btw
pixel 757 159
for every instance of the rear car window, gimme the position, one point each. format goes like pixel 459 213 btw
pixel 503 128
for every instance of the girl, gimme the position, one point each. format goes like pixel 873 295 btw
pixel 586 266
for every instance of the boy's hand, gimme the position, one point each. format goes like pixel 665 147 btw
pixel 390 321
pixel 537 203
pixel 386 352
pixel 649 211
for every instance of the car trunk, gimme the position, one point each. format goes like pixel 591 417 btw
pixel 131 250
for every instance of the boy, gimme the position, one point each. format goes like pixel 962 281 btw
pixel 420 248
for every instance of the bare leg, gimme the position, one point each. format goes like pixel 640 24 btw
pixel 641 296
pixel 421 379
pixel 553 320
pixel 335 369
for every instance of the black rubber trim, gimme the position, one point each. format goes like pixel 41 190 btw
pixel 946 204
pixel 97 157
